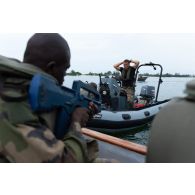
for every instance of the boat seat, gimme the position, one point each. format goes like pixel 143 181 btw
pixel 119 103
pixel 123 92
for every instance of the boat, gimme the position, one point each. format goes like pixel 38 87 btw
pixel 117 149
pixel 142 78
pixel 116 117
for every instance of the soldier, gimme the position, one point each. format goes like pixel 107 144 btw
pixel 28 137
pixel 127 77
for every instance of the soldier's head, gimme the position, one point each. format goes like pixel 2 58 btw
pixel 94 85
pixel 126 64
pixel 50 52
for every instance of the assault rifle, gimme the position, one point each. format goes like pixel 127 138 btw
pixel 46 95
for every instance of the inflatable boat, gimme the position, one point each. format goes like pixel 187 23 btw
pixel 142 78
pixel 117 116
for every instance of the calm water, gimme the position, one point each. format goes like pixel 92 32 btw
pixel 171 87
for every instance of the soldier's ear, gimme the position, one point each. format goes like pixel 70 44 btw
pixel 50 66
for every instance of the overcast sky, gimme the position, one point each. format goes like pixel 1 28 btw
pixel 98 52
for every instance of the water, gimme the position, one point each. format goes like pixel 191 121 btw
pixel 171 87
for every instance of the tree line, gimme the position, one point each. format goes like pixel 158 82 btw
pixel 108 73
pixel 167 75
pixel 117 73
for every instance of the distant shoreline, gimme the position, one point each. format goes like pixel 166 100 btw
pixel 117 74
pixel 173 76
pixel 142 75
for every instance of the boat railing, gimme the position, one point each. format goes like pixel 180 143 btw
pixel 160 75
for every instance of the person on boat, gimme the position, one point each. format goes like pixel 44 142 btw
pixel 127 77
pixel 172 134
pixel 89 95
pixel 94 85
pixel 26 136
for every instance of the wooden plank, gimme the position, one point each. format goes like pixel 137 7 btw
pixel 116 141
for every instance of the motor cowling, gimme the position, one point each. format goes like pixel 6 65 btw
pixel 148 92
pixel 147 95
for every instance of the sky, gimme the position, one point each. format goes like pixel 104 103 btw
pixel 97 52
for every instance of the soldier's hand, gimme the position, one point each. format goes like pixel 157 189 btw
pixel 80 115
pixel 92 109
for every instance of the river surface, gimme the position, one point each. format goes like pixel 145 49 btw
pixel 171 87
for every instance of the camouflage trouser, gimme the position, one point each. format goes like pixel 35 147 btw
pixel 130 94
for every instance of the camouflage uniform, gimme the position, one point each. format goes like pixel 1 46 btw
pixel 130 93
pixel 127 77
pixel 26 136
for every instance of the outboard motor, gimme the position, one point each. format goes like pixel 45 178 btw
pixel 147 93
pixel 172 136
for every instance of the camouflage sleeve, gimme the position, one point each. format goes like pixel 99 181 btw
pixel 24 138
pixel 24 143
pixel 85 149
